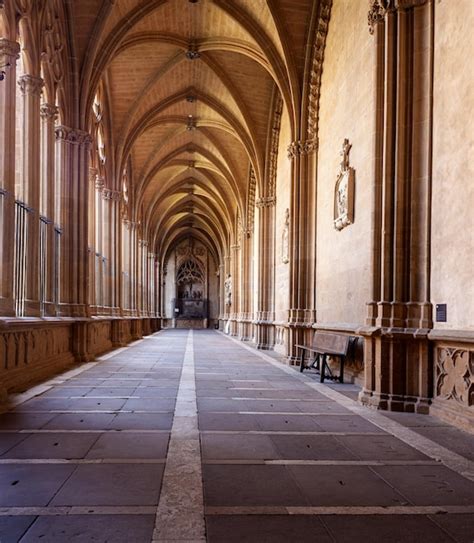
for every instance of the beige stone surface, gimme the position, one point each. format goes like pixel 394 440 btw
pixel 346 111
pixel 452 254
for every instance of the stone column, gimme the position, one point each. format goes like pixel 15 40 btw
pixel 302 250
pixel 9 52
pixel 31 87
pixel 111 247
pixel 245 310
pixel 397 360
pixel 234 309
pixel 48 117
pixel 266 288
pixel 73 172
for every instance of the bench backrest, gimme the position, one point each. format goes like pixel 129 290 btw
pixel 335 343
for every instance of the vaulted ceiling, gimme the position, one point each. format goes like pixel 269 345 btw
pixel 190 87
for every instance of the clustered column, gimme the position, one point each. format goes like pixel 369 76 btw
pixel 9 53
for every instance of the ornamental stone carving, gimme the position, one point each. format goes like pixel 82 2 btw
pixel 285 239
pixel 455 375
pixel 379 8
pixel 10 49
pixel 73 136
pixel 48 112
pixel 228 290
pixel 268 201
pixel 30 85
pixel 110 194
pixel 344 191
pixel 302 147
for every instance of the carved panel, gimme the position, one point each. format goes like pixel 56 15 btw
pixel 455 375
pixel 344 191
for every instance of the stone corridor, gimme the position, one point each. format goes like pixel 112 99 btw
pixel 191 436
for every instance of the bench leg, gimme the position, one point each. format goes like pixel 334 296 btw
pixel 341 371
pixel 322 370
pixel 302 361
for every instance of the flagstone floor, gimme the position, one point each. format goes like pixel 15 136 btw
pixel 193 436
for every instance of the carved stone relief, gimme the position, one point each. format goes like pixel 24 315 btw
pixel 228 290
pixel 455 375
pixel 344 191
pixel 285 247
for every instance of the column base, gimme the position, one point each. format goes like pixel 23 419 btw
pixel 393 402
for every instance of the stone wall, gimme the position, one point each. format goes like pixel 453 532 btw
pixel 32 350
pixel 452 255
pixel 346 111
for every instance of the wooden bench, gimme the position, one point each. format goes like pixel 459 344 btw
pixel 323 345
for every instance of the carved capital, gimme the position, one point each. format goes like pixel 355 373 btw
pixel 48 112
pixel 268 201
pixel 9 49
pixel 302 147
pixel 110 194
pixel 31 85
pixel 73 136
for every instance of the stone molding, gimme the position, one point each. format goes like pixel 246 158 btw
pixel 49 112
pixel 302 147
pixel 111 194
pixel 379 8
pixel 31 85
pixel 317 68
pixel 275 140
pixel 9 49
pixel 73 136
pixel 267 201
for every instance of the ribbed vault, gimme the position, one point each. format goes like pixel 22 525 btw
pixel 190 87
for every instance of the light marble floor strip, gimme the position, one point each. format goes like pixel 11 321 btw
pixel 78 510
pixel 180 513
pixel 450 459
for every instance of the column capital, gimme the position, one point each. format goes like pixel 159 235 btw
pixel 9 49
pixel 302 147
pixel 266 201
pixel 49 112
pixel 31 85
pixel 99 183
pixel 73 135
pixel 111 194
pixel 379 8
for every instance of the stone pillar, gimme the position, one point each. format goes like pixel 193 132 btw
pixel 266 288
pixel 234 309
pixel 48 117
pixel 9 52
pixel 111 247
pixel 398 369
pixel 245 289
pixel 31 92
pixel 73 173
pixel 302 249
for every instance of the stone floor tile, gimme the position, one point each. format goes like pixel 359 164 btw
pixel 150 404
pixel 230 421
pixel 24 421
pixel 266 529
pixel 343 423
pixel 429 485
pixel 383 447
pixel 459 527
pixel 23 485
pixel 51 445
pixel 287 423
pixel 92 528
pixel 134 445
pixel 300 447
pixel 227 485
pixel 80 421
pixel 9 440
pixel 112 484
pixel 344 485
pixel 13 528
pixel 384 529
pixel 142 421
pixel 239 447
